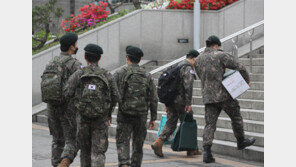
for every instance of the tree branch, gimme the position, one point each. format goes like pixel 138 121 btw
pixel 37 39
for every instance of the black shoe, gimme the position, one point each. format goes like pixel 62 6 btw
pixel 207 155
pixel 245 143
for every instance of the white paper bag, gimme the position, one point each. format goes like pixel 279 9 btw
pixel 235 84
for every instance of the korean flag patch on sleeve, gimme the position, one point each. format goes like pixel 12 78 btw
pixel 92 87
pixel 192 72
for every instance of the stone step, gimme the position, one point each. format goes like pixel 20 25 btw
pixel 255 69
pixel 41 118
pixel 224 131
pixel 248 114
pixel 254 55
pixel 253 77
pixel 223 122
pixel 255 61
pixel 244 103
pixel 163 62
pixel 197 84
pixel 151 63
pixel 254 153
pixel 249 94
pixel 223 134
pixel 245 61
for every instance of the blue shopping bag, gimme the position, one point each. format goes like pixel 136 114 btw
pixel 161 125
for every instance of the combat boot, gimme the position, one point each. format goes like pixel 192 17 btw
pixel 207 154
pixel 243 143
pixel 64 163
pixel 157 147
pixel 195 152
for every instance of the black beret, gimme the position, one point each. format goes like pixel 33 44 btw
pixel 134 51
pixel 68 39
pixel 193 52
pixel 214 40
pixel 93 49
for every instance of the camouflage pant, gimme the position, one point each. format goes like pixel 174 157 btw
pixel 93 140
pixel 62 126
pixel 212 112
pixel 174 112
pixel 124 131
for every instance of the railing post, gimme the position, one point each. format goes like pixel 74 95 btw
pixel 251 32
pixel 196 26
pixel 234 47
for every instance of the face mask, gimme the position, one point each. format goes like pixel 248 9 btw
pixel 75 51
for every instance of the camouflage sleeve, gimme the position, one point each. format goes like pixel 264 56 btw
pixel 153 100
pixel 76 65
pixel 232 63
pixel 188 76
pixel 114 93
pixel 116 78
pixel 71 85
pixel 196 68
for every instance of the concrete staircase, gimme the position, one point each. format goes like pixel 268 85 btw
pixel 252 110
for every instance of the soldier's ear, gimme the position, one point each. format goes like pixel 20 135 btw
pixel 85 58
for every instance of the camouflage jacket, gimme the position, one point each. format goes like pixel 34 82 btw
pixel 210 67
pixel 152 97
pixel 70 89
pixel 72 65
pixel 185 88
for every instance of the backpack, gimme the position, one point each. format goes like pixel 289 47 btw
pixel 134 92
pixel 168 83
pixel 52 80
pixel 94 96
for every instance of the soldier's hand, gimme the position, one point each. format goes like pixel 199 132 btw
pixel 109 121
pixel 187 109
pixel 249 84
pixel 151 125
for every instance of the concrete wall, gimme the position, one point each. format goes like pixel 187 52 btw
pixel 156 32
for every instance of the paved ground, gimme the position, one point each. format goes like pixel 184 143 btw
pixel 41 154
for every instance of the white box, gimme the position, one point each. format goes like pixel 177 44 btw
pixel 235 84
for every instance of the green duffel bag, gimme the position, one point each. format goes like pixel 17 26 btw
pixel 186 136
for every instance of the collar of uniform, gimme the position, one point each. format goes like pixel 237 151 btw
pixel 186 62
pixel 209 49
pixel 94 65
pixel 65 53
pixel 133 65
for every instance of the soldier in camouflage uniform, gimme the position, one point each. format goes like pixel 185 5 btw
pixel 181 104
pixel 61 117
pixel 132 81
pixel 93 128
pixel 210 67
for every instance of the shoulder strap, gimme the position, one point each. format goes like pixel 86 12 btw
pixel 183 65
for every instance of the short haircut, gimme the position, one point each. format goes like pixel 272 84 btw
pixel 65 48
pixel 91 57
pixel 134 59
pixel 191 56
pixel 210 44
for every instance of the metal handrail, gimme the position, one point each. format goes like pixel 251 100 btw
pixel 230 37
